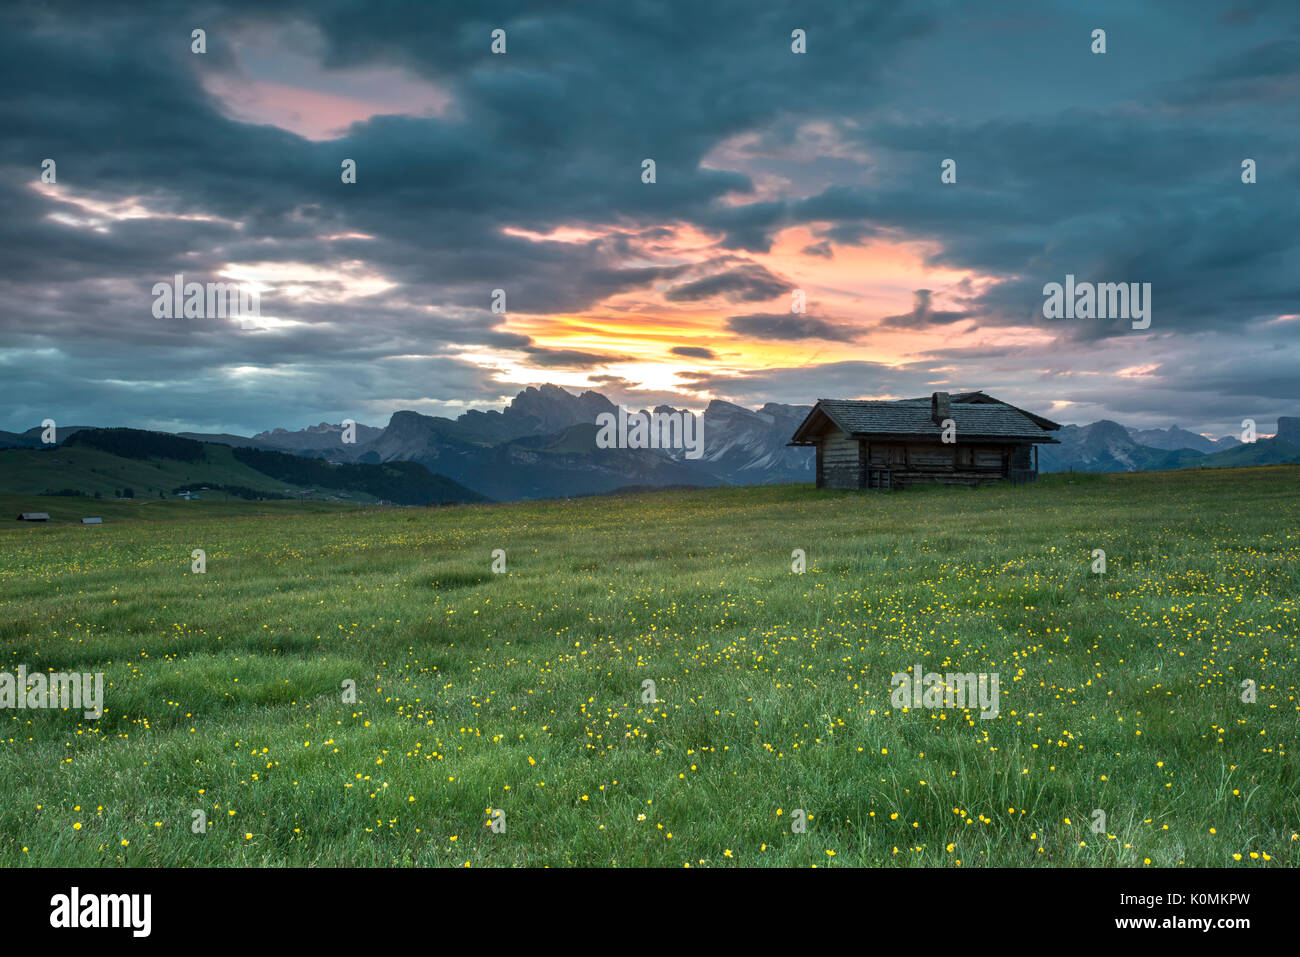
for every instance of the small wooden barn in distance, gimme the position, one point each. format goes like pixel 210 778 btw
pixel 894 444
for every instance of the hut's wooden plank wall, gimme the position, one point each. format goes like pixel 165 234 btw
pixel 844 462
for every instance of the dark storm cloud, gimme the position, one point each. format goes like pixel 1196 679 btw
pixel 540 138
pixel 923 314
pixel 1116 199
pixel 832 380
pixel 790 327
pixel 1122 168
pixel 693 352
pixel 568 358
pixel 750 283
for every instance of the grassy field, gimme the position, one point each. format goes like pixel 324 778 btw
pixel 522 691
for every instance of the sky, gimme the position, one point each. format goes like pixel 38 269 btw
pixel 778 175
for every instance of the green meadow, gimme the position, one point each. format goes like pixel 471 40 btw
pixel 1148 716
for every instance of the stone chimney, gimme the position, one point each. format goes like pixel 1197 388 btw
pixel 940 407
pixel 1288 429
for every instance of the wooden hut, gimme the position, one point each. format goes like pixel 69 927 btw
pixel 966 438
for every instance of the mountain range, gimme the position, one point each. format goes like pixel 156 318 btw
pixel 543 445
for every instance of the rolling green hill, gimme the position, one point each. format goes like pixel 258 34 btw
pixel 131 463
pixel 90 470
pixel 1273 451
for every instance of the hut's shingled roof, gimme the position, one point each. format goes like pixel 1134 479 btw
pixel 982 417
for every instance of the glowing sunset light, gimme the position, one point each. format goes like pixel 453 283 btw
pixel 310 283
pixel 98 211
pixel 913 179
pixel 278 78
pixel 849 296
pixel 561 234
pixel 1134 372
